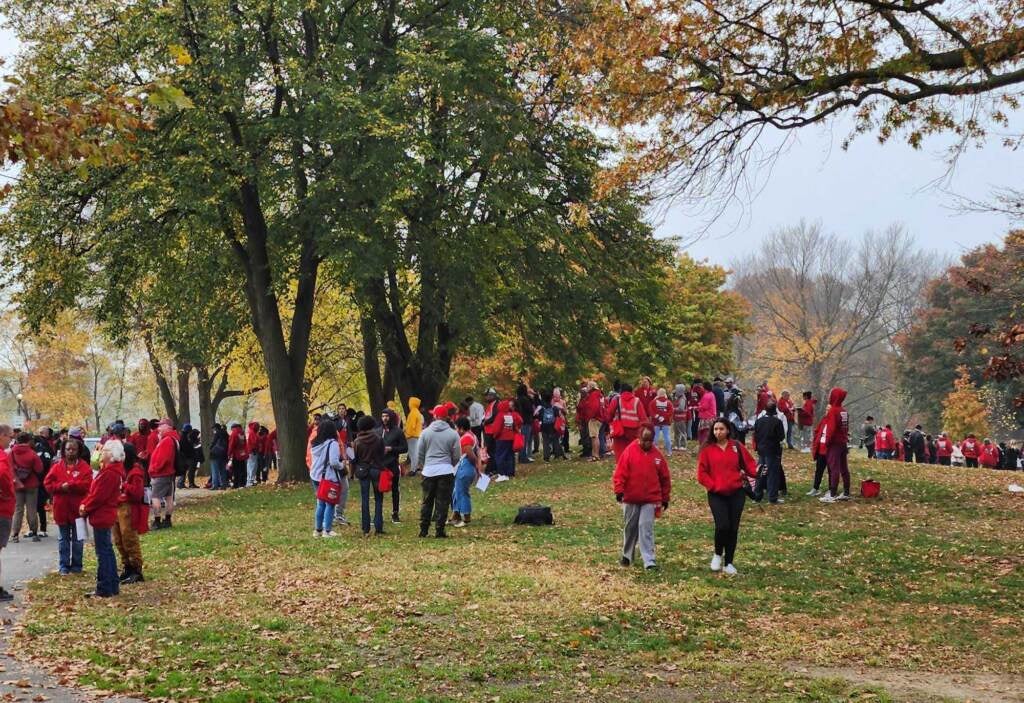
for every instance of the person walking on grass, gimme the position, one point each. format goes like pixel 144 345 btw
pixel 707 411
pixel 436 458
pixel 7 499
pixel 832 437
pixel 642 484
pixel 625 415
pixel 943 449
pixel 100 507
pixel 869 434
pixel 466 473
pixel 28 473
pixel 659 409
pixel 393 437
pixel 722 466
pixel 68 482
pixel 680 417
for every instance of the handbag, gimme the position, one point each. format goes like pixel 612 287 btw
pixel 534 515
pixel 753 487
pixel 615 428
pixel 327 490
pixel 385 481
pixel 518 442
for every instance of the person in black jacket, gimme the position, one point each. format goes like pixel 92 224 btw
pixel 395 444
pixel 41 443
pixel 219 458
pixel 918 445
pixel 769 434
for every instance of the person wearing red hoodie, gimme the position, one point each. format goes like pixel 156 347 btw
pixel 132 517
pixel 161 474
pixel 642 484
pixel 660 410
pixel 68 482
pixel 722 466
pixel 707 411
pixel 970 449
pixel 588 418
pixel 805 420
pixel 7 499
pixel 28 476
pixel 506 425
pixel 944 449
pixel 100 506
pixel 989 455
pixel 832 437
pixel 788 411
pixel 140 440
pixel 885 443
pixel 252 449
pixel 238 456
pixel 625 415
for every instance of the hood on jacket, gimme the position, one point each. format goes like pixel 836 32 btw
pixel 254 426
pixel 143 425
pixel 392 417
pixel 504 406
pixel 23 454
pixel 836 396
pixel 414 403
pixel 438 426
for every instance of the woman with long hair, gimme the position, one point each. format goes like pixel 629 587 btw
pixel 325 464
pixel 722 467
pixel 707 410
pixel 369 462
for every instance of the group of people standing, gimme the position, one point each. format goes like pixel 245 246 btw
pixel 918 447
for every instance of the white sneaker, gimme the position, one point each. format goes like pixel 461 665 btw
pixel 716 562
pixel 460 523
pixel 330 533
pixel 844 496
pixel 828 498
pixel 317 533
pixel 729 570
pixel 805 450
pixel 813 492
pixel 500 478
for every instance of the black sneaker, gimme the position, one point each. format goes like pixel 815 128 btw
pixel 624 562
pixel 441 535
pixel 167 522
pixel 423 533
pixel 395 520
pixel 124 574
pixel 157 525
pixel 5 595
pixel 35 538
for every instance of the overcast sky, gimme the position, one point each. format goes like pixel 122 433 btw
pixel 870 186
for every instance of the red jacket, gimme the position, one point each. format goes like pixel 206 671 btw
pixel 660 411
pixel 989 456
pixel 642 477
pixel 6 486
pixel 152 439
pixel 23 456
pixel 805 415
pixel 786 408
pixel 943 447
pixel 140 440
pixel 67 500
pixel 834 428
pixel 100 503
pixel 884 440
pixel 590 406
pixel 630 405
pixel 252 439
pixel 507 423
pixel 161 461
pixel 763 397
pixel 236 445
pixel 132 492
pixel 646 395
pixel 970 448
pixel 718 470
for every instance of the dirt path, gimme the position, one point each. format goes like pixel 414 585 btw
pixel 926 685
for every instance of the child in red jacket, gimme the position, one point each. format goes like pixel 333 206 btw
pixel 100 506
pixel 68 482
pixel 642 484
pixel 132 519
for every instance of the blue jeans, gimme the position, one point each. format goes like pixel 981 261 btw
pixel 773 473
pixel 218 474
pixel 465 475
pixel 524 453
pixel 884 454
pixel 106 563
pixel 69 549
pixel 665 431
pixel 365 486
pixel 602 439
pixel 251 464
pixel 789 434
pixel 323 517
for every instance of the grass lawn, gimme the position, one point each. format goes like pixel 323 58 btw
pixel 924 585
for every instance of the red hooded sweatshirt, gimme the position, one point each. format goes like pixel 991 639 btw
pixel 507 423
pixel 660 410
pixel 805 416
pixel 970 447
pixel 642 477
pixel 590 406
pixel 100 503
pixel 132 492
pixel 252 439
pixel 884 440
pixel 989 456
pixel 161 462
pixel 718 470
pixel 67 500
pixel 6 486
pixel 236 444
pixel 943 447
pixel 140 440
pixel 24 457
pixel 834 428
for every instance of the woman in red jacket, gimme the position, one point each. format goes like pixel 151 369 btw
pixel 28 474
pixel 989 455
pixel 100 506
pixel 722 467
pixel 970 449
pixel 68 482
pixel 642 484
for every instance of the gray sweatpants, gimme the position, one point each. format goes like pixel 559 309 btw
pixel 638 524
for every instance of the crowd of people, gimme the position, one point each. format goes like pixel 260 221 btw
pixel 114 486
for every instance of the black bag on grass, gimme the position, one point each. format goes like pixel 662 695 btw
pixel 534 515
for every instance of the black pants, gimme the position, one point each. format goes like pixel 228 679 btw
pixel 41 497
pixel 367 485
pixel 726 510
pixel 970 463
pixel 552 444
pixel 920 457
pixel 820 465
pixel 437 498
pixel 238 476
pixel 192 475
pixel 944 460
pixel 492 462
pixel 586 446
pixel 871 449
pixel 773 475
pixel 395 475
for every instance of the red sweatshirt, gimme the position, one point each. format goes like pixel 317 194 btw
pixel 132 492
pixel 152 439
pixel 6 486
pixel 805 415
pixel 660 411
pixel 989 456
pixel 642 477
pixel 252 439
pixel 970 448
pixel 140 440
pixel 834 428
pixel 590 406
pixel 100 503
pixel 161 461
pixel 718 470
pixel 786 408
pixel 24 457
pixel 67 500
pixel 236 445
pixel 884 440
pixel 943 447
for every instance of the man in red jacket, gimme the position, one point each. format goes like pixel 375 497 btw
pixel 161 474
pixel 140 440
pixel 100 506
pixel 588 414
pixel 625 415
pixel 970 449
pixel 6 497
pixel 805 419
pixel 833 436
pixel 252 448
pixel 238 456
pixel 787 409
pixel 642 484
pixel 943 449
pixel 68 482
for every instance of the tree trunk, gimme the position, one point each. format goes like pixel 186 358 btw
pixel 207 412
pixel 371 365
pixel 161 380
pixel 183 372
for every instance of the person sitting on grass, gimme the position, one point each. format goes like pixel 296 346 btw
pixel 642 484
pixel 68 482
pixel 100 506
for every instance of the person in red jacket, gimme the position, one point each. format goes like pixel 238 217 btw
pixel 100 506
pixel 161 474
pixel 646 391
pixel 506 425
pixel 252 449
pixel 832 437
pixel 588 418
pixel 642 484
pixel 885 443
pixel 970 449
pixel 722 466
pixel 805 420
pixel 140 440
pixel 625 415
pixel 764 396
pixel 788 411
pixel 943 449
pixel 238 456
pixel 989 455
pixel 659 410
pixel 28 475
pixel 68 482
pixel 7 499
pixel 132 517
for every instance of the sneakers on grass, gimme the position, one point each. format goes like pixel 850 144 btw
pixel 813 492
pixel 716 562
pixel 330 533
pixel 729 570
pixel 318 533
pixel 845 496
pixel 828 498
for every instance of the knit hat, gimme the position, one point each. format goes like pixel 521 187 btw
pixel 75 432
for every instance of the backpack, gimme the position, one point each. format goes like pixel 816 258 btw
pixel 547 416
pixel 180 460
pixel 534 515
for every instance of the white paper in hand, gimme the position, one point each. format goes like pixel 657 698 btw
pixel 483 482
pixel 80 529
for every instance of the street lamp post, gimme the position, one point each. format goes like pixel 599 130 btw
pixel 20 397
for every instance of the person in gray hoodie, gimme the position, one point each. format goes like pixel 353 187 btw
pixel 437 455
